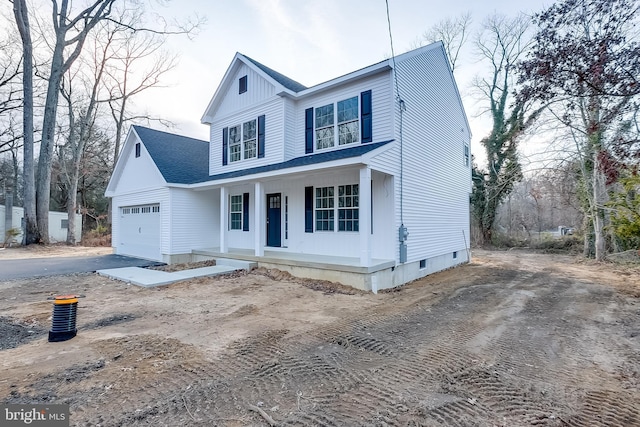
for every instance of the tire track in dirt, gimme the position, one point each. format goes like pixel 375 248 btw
pixel 505 352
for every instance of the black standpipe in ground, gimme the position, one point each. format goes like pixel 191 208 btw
pixel 63 322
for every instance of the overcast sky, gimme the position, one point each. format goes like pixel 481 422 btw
pixel 310 41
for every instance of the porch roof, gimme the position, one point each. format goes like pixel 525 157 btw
pixel 307 160
pixel 183 160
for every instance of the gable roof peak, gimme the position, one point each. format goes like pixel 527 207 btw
pixel 285 81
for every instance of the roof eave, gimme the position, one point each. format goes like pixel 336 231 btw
pixel 347 78
pixel 362 159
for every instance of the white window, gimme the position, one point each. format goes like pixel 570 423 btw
pixel 324 127
pixel 466 155
pixel 343 115
pixel 235 148
pixel 243 141
pixel 324 209
pixel 235 213
pixel 249 139
pixel 347 205
pixel 348 211
pixel 348 129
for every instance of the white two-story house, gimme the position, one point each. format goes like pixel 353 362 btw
pixel 363 179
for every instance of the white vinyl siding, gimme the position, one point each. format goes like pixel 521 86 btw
pixel 382 112
pixel 332 243
pixel 195 220
pixel 290 125
pixel 436 180
pixel 274 136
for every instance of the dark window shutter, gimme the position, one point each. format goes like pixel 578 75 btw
pixel 308 209
pixel 308 130
pixel 261 136
pixel 365 113
pixel 245 212
pixel 225 144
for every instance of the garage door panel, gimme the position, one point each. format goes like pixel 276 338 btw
pixel 140 231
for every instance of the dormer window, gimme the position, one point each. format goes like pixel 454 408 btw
pixel 242 85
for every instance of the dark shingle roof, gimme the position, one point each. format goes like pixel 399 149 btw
pixel 280 78
pixel 181 160
pixel 310 159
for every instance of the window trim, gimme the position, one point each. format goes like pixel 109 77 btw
pixel 467 155
pixel 235 212
pixel 246 141
pixel 335 125
pixel 329 209
pixel 235 141
pixel 334 208
pixel 241 143
pixel 354 209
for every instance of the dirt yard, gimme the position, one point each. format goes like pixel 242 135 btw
pixel 513 339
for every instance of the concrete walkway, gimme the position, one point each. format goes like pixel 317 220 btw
pixel 149 278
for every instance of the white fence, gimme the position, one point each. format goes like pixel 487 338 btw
pixel 58 222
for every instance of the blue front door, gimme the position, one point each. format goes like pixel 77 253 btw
pixel 274 222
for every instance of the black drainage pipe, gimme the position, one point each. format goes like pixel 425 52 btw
pixel 63 322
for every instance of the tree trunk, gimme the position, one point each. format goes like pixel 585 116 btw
pixel 43 193
pixel 72 198
pixel 30 232
pixel 599 199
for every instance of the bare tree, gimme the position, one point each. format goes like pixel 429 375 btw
pixel 453 32
pixel 70 32
pixel 31 234
pixel 501 44
pixel 81 123
pixel 134 51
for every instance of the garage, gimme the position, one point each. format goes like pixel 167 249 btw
pixel 139 234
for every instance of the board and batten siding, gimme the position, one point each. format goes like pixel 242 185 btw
pixel 381 105
pixel 436 180
pixel 274 134
pixel 232 102
pixel 195 219
pixel 157 196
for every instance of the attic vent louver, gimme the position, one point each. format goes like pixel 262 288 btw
pixel 242 85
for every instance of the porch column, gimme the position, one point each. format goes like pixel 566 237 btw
pixel 365 216
pixel 224 218
pixel 258 217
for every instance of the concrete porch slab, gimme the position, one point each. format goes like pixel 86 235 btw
pixel 150 278
pixel 292 259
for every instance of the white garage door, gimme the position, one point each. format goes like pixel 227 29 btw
pixel 140 231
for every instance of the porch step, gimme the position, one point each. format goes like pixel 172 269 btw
pixel 237 263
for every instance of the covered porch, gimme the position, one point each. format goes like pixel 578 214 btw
pixel 346 270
